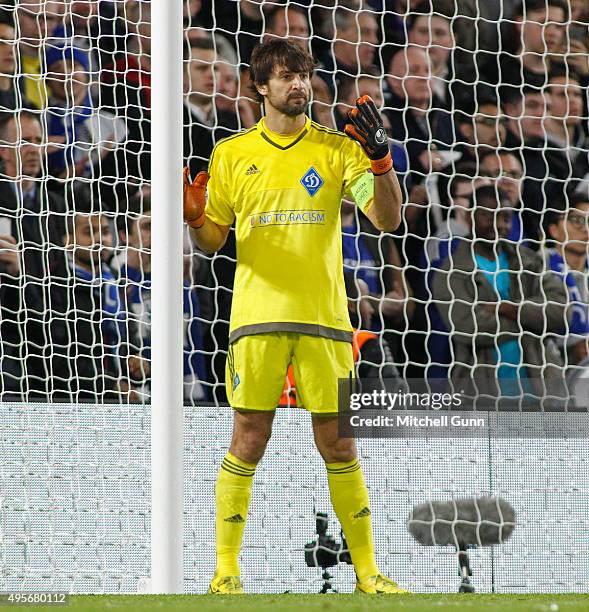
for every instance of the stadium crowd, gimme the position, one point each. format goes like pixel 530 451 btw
pixel 485 106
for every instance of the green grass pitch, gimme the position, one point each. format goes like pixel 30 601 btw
pixel 322 603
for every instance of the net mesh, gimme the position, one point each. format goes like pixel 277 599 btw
pixel 482 102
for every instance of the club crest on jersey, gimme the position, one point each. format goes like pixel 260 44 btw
pixel 311 181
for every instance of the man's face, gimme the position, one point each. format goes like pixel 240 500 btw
pixel 462 193
pixel 287 91
pixel 543 31
pixel 491 221
pixel 360 40
pixel 572 231
pixel 489 126
pixel 410 70
pixel 81 13
pixel 68 80
pixel 529 115
pixel 191 7
pixel 140 233
pixel 365 86
pixel 92 239
pixel 38 20
pixel 510 175
pixel 7 52
pixel 435 34
pixel 536 108
pixel 199 76
pixel 226 86
pixel 566 99
pixel 24 154
pixel 291 25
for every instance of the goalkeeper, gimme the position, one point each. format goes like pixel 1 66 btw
pixel 282 182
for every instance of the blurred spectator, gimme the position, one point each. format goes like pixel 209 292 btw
pixel 414 110
pixel 78 19
pixel 134 232
pixel 507 169
pixel 501 308
pixel 89 345
pixel 8 83
pixel 564 125
pixel 376 261
pixel 568 230
pixel 529 44
pixel 458 222
pixel 204 123
pixel 288 21
pixel 36 22
pixel 227 98
pixel 29 217
pixel 240 21
pixel 546 170
pixel 351 88
pixel 192 13
pixel 481 128
pixel 579 11
pixel 322 105
pixel 354 47
pixel 431 28
pixel 83 135
pixel 126 92
pixel 576 52
pixel 458 226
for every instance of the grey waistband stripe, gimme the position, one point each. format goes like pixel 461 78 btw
pixel 297 328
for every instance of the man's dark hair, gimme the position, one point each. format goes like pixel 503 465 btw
pixel 272 13
pixel 526 6
pixel 516 95
pixel 468 104
pixel 84 203
pixel 348 83
pixel 495 153
pixel 6 17
pixel 560 70
pixel 205 44
pixel 138 205
pixel 435 8
pixel 485 193
pixel 561 207
pixel 6 117
pixel 277 53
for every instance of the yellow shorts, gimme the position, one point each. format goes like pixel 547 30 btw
pixel 256 368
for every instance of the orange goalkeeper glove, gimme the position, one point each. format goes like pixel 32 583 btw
pixel 194 198
pixel 366 127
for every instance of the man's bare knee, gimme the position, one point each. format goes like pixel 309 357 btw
pixel 331 447
pixel 251 433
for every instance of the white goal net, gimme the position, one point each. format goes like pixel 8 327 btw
pixel 485 106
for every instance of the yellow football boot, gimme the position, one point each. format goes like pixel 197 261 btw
pixel 379 584
pixel 225 585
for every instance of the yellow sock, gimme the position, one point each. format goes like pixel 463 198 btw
pixel 349 498
pixel 233 493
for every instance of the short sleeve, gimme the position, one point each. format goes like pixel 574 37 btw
pixel 219 208
pixel 358 181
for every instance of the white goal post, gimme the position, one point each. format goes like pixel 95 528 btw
pixel 167 409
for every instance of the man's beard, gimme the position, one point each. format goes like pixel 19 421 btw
pixel 289 109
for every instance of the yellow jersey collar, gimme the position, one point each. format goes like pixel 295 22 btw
pixel 281 141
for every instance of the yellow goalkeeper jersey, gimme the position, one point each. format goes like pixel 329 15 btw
pixel 284 194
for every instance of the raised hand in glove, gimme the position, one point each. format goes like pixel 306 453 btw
pixel 194 198
pixel 365 126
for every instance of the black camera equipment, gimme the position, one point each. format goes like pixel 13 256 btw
pixel 325 551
